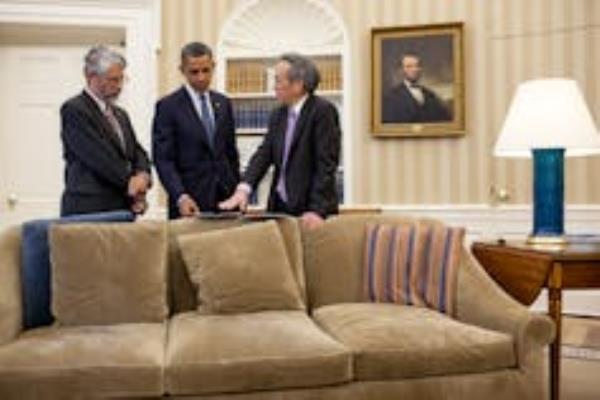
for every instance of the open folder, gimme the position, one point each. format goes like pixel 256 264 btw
pixel 253 216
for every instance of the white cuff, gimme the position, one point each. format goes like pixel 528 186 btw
pixel 244 187
pixel 181 197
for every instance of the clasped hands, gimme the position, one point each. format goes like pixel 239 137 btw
pixel 136 189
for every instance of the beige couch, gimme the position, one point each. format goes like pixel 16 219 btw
pixel 341 348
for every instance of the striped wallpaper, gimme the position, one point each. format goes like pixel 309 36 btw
pixel 506 42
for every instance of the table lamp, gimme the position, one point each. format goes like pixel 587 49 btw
pixel 548 118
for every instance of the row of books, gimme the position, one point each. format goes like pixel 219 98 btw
pixel 248 76
pixel 258 75
pixel 331 73
pixel 252 114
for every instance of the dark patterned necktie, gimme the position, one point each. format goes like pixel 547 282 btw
pixel 114 123
pixel 207 120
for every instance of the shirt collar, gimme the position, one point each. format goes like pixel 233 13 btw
pixel 102 105
pixel 297 106
pixel 411 85
pixel 193 92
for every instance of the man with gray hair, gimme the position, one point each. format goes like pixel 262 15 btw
pixel 106 167
pixel 302 142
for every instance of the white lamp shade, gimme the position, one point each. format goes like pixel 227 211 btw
pixel 548 114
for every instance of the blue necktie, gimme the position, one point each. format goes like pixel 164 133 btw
pixel 207 120
pixel 289 135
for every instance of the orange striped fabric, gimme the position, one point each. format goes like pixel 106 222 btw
pixel 413 264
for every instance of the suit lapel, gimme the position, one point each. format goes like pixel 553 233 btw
pixel 107 129
pixel 191 111
pixel 281 127
pixel 414 105
pixel 218 111
pixel 300 124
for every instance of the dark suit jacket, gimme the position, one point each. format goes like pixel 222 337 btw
pixel 185 161
pixel 97 169
pixel 312 160
pixel 399 106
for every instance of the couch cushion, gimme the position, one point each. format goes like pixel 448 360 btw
pixel 396 342
pixel 241 269
pixel 182 294
pixel 35 254
pixel 334 258
pixel 413 264
pixel 257 351
pixel 75 362
pixel 108 273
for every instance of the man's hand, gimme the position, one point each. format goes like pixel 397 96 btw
pixel 311 220
pixel 239 200
pixel 187 206
pixel 139 205
pixel 138 184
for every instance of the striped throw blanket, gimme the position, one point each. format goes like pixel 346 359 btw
pixel 413 264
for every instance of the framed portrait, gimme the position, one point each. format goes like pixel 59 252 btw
pixel 418 81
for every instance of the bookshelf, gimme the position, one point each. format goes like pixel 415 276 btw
pixel 249 45
pixel 251 83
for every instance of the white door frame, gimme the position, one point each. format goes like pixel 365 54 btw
pixel 141 21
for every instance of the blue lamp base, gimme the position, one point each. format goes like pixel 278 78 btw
pixel 548 197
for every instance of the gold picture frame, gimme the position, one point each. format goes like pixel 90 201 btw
pixel 418 81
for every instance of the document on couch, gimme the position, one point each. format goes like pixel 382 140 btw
pixel 251 216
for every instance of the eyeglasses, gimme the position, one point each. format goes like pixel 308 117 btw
pixel 115 79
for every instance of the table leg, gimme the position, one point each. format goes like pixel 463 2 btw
pixel 555 310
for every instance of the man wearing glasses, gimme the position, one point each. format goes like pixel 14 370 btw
pixel 106 167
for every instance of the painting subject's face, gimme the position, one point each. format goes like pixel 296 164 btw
pixel 198 71
pixel 411 68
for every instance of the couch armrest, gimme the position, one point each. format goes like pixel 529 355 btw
pixel 480 301
pixel 10 284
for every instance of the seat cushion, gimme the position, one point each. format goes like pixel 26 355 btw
pixel 75 362
pixel 238 278
pixel 245 352
pixel 391 341
pixel 109 273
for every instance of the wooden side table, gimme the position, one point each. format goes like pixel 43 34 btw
pixel 523 270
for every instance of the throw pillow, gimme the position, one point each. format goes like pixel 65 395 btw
pixel 108 273
pixel 35 265
pixel 413 264
pixel 243 269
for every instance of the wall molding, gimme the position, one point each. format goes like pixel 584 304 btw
pixel 485 221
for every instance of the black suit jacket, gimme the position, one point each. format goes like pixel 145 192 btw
pixel 399 106
pixel 97 168
pixel 312 160
pixel 185 161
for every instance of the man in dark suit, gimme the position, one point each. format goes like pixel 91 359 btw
pixel 411 102
pixel 302 142
pixel 193 139
pixel 106 168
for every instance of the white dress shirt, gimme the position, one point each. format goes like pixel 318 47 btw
pixel 415 91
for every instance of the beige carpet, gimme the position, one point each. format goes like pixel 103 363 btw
pixel 581 332
pixel 580 366
pixel 581 338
